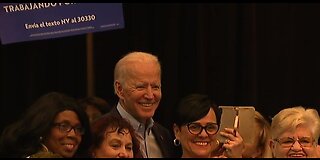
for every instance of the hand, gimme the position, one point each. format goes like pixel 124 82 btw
pixel 234 144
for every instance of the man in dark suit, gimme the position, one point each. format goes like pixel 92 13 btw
pixel 137 83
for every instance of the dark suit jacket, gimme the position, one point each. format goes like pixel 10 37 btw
pixel 163 137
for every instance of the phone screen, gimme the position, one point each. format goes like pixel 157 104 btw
pixel 245 121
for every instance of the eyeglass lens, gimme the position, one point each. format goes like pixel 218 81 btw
pixel 196 128
pixel 289 141
pixel 65 128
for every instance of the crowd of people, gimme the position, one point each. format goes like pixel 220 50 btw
pixel 57 125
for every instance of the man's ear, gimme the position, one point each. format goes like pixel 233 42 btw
pixel 118 89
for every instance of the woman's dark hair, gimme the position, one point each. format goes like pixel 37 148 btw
pixel 22 138
pixel 99 127
pixel 194 107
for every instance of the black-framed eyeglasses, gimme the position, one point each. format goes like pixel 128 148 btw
pixel 287 142
pixel 196 128
pixel 66 128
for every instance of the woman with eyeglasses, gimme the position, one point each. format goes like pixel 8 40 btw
pixel 54 126
pixel 295 133
pixel 196 123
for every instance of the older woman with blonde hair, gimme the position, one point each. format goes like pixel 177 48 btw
pixel 295 133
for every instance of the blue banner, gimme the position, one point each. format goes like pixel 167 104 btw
pixel 35 21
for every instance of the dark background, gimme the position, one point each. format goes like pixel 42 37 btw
pixel 262 55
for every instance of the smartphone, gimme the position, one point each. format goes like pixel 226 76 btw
pixel 239 117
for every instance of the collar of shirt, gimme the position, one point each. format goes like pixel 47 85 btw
pixel 139 127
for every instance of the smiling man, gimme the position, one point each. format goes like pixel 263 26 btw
pixel 137 83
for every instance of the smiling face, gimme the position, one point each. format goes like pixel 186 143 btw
pixel 64 144
pixel 140 94
pixel 295 151
pixel 200 145
pixel 115 145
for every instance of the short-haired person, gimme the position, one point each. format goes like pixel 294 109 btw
pixel 137 83
pixel 295 133
pixel 113 137
pixel 196 127
pixel 54 126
